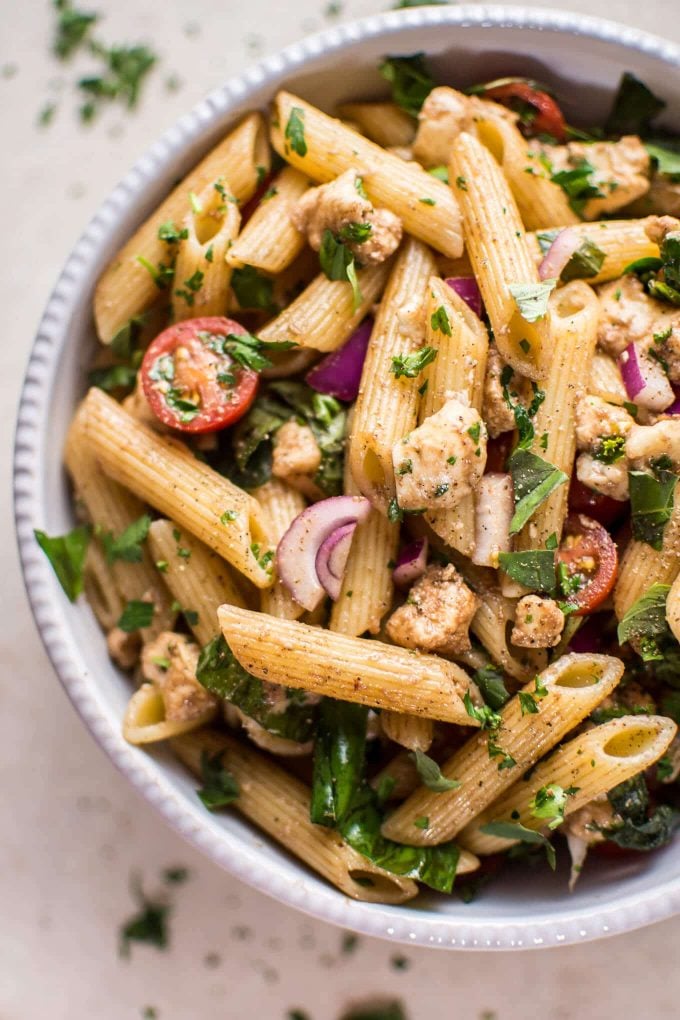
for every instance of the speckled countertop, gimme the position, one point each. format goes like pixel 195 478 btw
pixel 73 831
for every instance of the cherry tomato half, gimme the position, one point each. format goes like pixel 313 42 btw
pixel 590 559
pixel 190 382
pixel 584 500
pixel 548 118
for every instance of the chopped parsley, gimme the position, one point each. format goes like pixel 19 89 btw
pixel 220 788
pixel 441 173
pixel 161 274
pixel 295 132
pixel 484 715
pixel 461 183
pixel 549 803
pixel 148 925
pixel 439 320
pixel 411 365
pixel 355 233
pixel 253 289
pixel 66 554
pixel 410 80
pixel 191 287
pixel 72 28
pixel 136 615
pixel 128 546
pixel 171 234
pixel 337 262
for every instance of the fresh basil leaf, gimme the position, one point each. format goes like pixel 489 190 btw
pixel 128 546
pixel 646 618
pixel 523 415
pixel 220 787
pixel 339 750
pixel 517 831
pixel 491 686
pixel 638 829
pixel 411 365
pixel 634 108
pixel 136 615
pixel 586 262
pixel 534 479
pixel 666 161
pixel 253 289
pixel 577 185
pixel 651 502
pixel 220 672
pixel 532 298
pixel 533 568
pixel 670 256
pixel 410 80
pixel 337 262
pixel 66 554
pixel 327 418
pixel 117 377
pixel 431 774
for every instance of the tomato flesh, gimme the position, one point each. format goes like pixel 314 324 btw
pixel 548 119
pixel 590 561
pixel 584 500
pixel 191 384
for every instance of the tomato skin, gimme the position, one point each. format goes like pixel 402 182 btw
pixel 586 539
pixel 197 371
pixel 583 500
pixel 549 119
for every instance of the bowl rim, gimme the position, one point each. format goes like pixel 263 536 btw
pixel 226 848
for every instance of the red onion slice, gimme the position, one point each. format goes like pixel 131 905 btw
pixel 297 555
pixel 411 563
pixel 339 373
pixel 331 559
pixel 645 380
pixel 558 254
pixel 467 289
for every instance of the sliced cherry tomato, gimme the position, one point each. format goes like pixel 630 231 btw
pixel 190 382
pixel 588 561
pixel 546 117
pixel 583 500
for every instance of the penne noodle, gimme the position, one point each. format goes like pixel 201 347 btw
pixel 164 473
pixel 100 588
pixel 592 764
pixel 605 379
pixel 459 368
pixel 144 721
pixel 328 148
pixel 540 201
pixel 497 247
pixel 490 626
pixel 197 577
pixel 323 316
pixel 384 123
pixel 269 241
pixel 410 731
pixel 201 281
pixel 111 508
pixel 280 504
pixel 126 287
pixel 673 608
pixel 386 408
pixel 338 666
pixel 641 566
pixel 279 804
pixel 575 684
pixel 620 241
pixel 574 319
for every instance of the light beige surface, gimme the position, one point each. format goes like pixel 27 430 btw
pixel 73 830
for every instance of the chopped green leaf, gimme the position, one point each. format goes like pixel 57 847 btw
pixel 171 234
pixel 220 788
pixel 527 703
pixel 519 832
pixel 431 774
pixel 355 233
pixel 533 568
pixel 634 107
pixel 441 173
pixel 651 502
pixel 485 716
pixel 136 615
pixel 534 479
pixel 66 554
pixel 532 298
pixel 491 686
pixel 337 262
pixel 148 925
pixel 609 449
pixel 577 184
pixel 646 619
pixel 411 365
pixel 72 28
pixel 439 320
pixel 295 131
pixel 220 672
pixel 549 803
pixel 410 80
pixel 253 289
pixel 128 546
pixel 667 161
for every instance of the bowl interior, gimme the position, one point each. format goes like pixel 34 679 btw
pixel 583 59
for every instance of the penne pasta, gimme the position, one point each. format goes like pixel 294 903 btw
pixel 490 626
pixel 489 762
pixel 144 721
pixel 327 148
pixel 384 123
pixel 673 608
pixel 269 241
pixel 279 804
pixel 459 368
pixel 197 577
pixel 127 287
pixel 386 408
pixel 641 566
pixel 353 669
pixel 410 731
pixel 591 764
pixel 100 588
pixel 201 281
pixel 280 504
pixel 162 472
pixel 605 379
pixel 323 316
pixel 540 201
pixel 498 250
pixel 574 318
pixel 620 242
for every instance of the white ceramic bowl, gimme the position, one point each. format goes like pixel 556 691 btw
pixel 583 57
